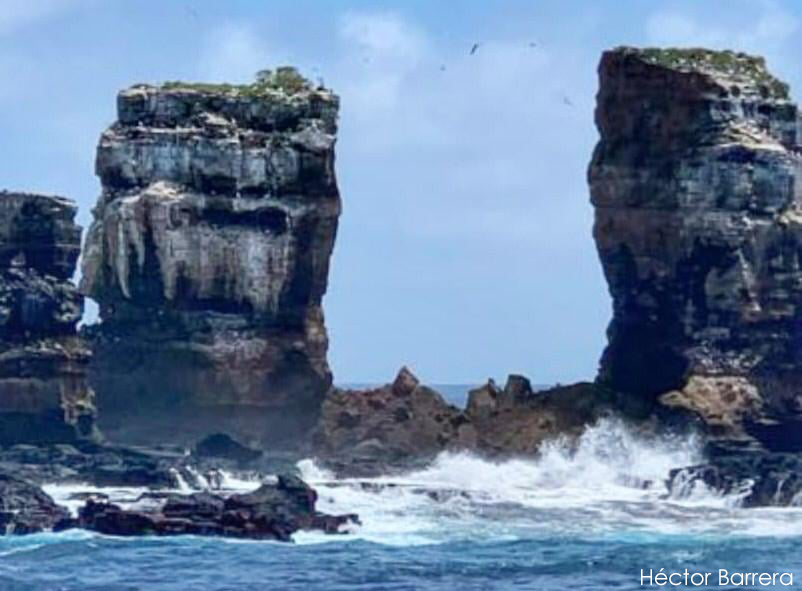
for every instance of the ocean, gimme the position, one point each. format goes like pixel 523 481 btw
pixel 591 517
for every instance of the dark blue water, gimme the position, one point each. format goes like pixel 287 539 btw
pixel 559 562
pixel 572 519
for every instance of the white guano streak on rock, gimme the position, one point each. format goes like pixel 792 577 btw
pixel 247 265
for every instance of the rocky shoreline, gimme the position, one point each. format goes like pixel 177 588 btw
pixel 209 257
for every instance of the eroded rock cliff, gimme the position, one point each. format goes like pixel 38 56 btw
pixel 44 396
pixel 696 187
pixel 209 256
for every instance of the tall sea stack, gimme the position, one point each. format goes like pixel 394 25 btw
pixel 209 256
pixel 44 396
pixel 696 187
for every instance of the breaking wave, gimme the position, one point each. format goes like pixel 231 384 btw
pixel 587 515
pixel 612 482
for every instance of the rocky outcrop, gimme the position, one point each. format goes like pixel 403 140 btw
pixel 698 203
pixel 208 256
pixel 221 446
pixel 25 508
pixel 405 425
pixel 751 479
pixel 516 420
pixel 44 396
pixel 104 465
pixel 397 426
pixel 272 512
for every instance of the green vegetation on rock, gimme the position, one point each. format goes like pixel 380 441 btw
pixel 737 65
pixel 285 79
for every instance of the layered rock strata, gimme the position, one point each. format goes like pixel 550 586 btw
pixel 44 396
pixel 696 187
pixel 208 257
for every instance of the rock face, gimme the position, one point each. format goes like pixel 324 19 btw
pixel 756 479
pixel 698 202
pixel 25 508
pixel 44 396
pixel 209 256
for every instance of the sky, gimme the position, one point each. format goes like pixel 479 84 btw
pixel 464 248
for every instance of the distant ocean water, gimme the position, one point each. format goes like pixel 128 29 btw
pixel 572 519
pixel 456 394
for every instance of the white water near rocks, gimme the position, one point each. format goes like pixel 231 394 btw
pixel 583 516
pixel 612 482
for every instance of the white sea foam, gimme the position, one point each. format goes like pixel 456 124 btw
pixel 612 482
pixel 609 483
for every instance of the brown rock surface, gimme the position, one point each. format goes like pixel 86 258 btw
pixel 405 425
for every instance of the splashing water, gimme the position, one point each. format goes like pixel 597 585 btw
pixel 612 482
pixel 587 515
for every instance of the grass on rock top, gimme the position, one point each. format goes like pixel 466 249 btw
pixel 738 65
pixel 285 79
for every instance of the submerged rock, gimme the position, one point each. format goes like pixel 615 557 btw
pixel 209 257
pixel 44 395
pixel 696 187
pixel 272 512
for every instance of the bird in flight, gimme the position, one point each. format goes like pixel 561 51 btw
pixel 474 48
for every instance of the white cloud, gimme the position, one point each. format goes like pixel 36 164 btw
pixel 234 53
pixel 383 36
pixel 381 50
pixel 452 120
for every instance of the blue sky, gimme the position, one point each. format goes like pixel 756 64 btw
pixel 465 243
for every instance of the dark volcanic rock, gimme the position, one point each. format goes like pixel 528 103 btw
pixel 272 512
pixel 209 257
pixel 695 184
pixel 44 395
pixel 757 478
pixel 100 465
pixel 405 425
pixel 25 508
pixel 224 447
